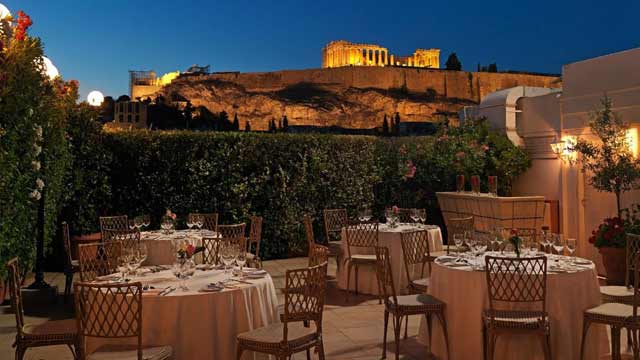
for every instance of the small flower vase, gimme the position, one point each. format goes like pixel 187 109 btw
pixel 475 184
pixel 167 225
pixel 460 183
pixel 493 185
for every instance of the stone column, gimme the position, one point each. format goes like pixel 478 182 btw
pixel 386 58
pixel 393 60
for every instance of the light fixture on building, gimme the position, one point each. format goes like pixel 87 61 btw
pixel 565 149
pixel 4 12
pixel 50 70
pixel 95 98
pixel 632 140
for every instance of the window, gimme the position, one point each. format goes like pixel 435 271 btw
pixel 121 118
pixel 129 118
pixel 137 107
pixel 137 118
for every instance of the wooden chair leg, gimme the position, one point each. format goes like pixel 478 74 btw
pixel 429 328
pixel 357 268
pixel 484 340
pixel 635 344
pixel 396 330
pixel 308 354
pixel 491 343
pixel 406 327
pixel 445 332
pixel 545 346
pixel 239 351
pixel 348 265
pixel 321 350
pixel 384 336
pixel 615 343
pixel 67 284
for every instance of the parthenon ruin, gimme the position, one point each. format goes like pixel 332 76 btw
pixel 344 53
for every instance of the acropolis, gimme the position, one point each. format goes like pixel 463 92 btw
pixel 345 53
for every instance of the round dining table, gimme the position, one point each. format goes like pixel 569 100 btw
pixel 389 237
pixel 571 289
pixel 161 245
pixel 201 323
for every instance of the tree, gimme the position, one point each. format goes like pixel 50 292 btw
pixel 272 126
pixel 611 163
pixel 236 123
pixel 385 126
pixel 493 67
pixel 285 123
pixel 188 114
pixel 453 63
pixel 247 126
pixel 396 123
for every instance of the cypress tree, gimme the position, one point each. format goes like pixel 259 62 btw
pixel 385 126
pixel 247 126
pixel 285 123
pixel 396 123
pixel 236 123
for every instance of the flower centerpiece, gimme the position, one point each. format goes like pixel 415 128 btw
pixel 392 214
pixel 515 241
pixel 168 221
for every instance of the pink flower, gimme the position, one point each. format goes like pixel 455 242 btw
pixel 460 155
pixel 485 147
pixel 411 170
pixel 395 209
pixel 444 137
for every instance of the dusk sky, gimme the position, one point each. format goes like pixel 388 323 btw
pixel 97 42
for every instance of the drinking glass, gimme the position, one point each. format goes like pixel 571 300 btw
pixel 188 269
pixel 460 183
pixel 146 220
pixel 493 185
pixel 241 259
pixel 227 255
pixel 364 214
pixel 190 221
pixel 123 266
pixel 415 215
pixel 422 215
pixel 475 184
pixel 458 240
pixel 176 269
pixel 142 253
pixel 571 248
pixel 533 246
pixel 199 221
pixel 137 222
pixel 558 245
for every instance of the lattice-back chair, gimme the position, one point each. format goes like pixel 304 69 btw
pixel 130 238
pixel 209 220
pixel 458 226
pixel 59 332
pixel 211 250
pixel 71 266
pixel 404 214
pixel 99 259
pixel 120 222
pixel 618 315
pixel 416 252
pixel 308 230
pixel 401 307
pixel 253 242
pixel 114 311
pixel 304 297
pixel 624 293
pixel 318 254
pixel 362 236
pixel 233 234
pixel 334 221
pixel 517 289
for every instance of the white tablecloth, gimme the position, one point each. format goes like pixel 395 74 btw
pixel 202 325
pixel 390 238
pixel 160 246
pixel 465 293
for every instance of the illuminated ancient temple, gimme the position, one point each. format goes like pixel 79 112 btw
pixel 344 53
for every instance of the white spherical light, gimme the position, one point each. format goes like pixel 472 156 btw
pixel 4 12
pixel 95 98
pixel 49 69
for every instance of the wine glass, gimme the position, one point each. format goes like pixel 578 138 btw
pixel 188 269
pixel 190 221
pixel 176 270
pixel 415 215
pixel 422 215
pixel 387 214
pixel 132 224
pixel 142 253
pixel 241 259
pixel 558 245
pixel 199 221
pixel 571 248
pixel 533 246
pixel 227 255
pixel 123 266
pixel 146 220
pixel 458 240
pixel 364 214
pixel 138 222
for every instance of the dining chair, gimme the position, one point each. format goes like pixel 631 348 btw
pixel 71 266
pixel 619 311
pixel 234 234
pixel 253 242
pixel 334 221
pixel 401 307
pixel 209 220
pixel 360 236
pixel 624 293
pixel 130 238
pixel 318 254
pixel 48 333
pixel 416 251
pixel 98 259
pixel 304 297
pixel 120 222
pixel 517 289
pixel 113 311
pixel 308 230
pixel 211 247
pixel 458 226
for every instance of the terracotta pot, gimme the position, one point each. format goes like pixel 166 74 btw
pixel 83 239
pixel 615 264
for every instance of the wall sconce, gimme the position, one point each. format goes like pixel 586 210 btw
pixel 632 140
pixel 564 149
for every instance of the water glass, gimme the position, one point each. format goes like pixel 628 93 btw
pixel 422 215
pixel 558 245
pixel 241 259
pixel 460 183
pixel 199 221
pixel 571 248
pixel 146 220
pixel 365 215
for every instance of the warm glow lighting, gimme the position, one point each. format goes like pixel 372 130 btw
pixel 632 140
pixel 95 98
pixel 564 149
pixel 49 69
pixel 4 12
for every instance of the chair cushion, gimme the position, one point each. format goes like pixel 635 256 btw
pixel 513 319
pixel 53 327
pixel 151 353
pixel 612 310
pixel 363 258
pixel 272 334
pixel 435 254
pixel 612 292
pixel 75 263
pixel 422 282
pixel 250 256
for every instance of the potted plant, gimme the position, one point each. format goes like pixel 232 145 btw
pixel 612 168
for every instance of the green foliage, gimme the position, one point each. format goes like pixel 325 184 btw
pixel 284 176
pixel 610 162
pixel 453 63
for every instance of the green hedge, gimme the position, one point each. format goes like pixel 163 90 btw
pixel 283 176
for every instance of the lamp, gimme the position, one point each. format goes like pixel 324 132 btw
pixel 565 149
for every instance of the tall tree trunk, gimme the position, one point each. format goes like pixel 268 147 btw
pixel 618 203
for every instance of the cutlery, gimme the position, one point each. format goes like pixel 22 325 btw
pixel 173 288
pixel 164 291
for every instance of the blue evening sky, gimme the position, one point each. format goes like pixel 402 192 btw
pixel 97 42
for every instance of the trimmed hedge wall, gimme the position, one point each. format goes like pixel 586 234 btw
pixel 283 176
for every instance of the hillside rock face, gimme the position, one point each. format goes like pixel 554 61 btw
pixel 344 97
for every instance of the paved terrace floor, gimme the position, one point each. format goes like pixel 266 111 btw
pixel 351 331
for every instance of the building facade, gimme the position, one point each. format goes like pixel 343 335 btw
pixel 130 114
pixel 536 118
pixel 344 53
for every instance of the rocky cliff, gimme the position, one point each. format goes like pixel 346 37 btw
pixel 348 97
